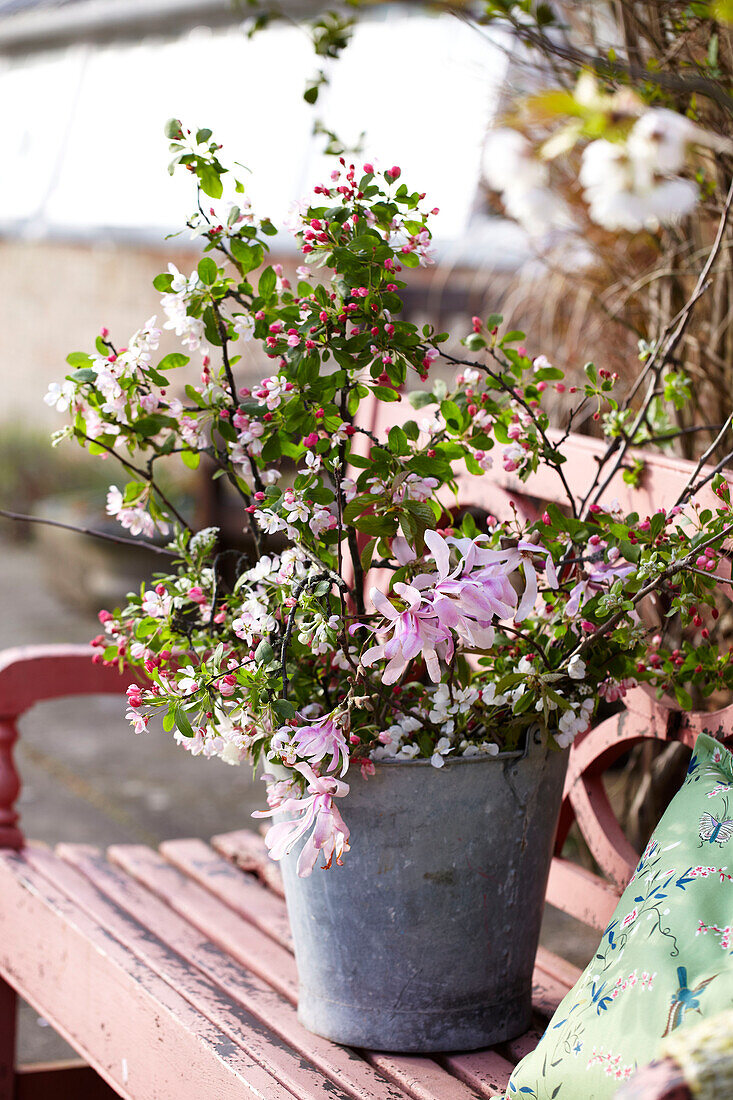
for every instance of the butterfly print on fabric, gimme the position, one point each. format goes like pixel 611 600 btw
pixel 714 830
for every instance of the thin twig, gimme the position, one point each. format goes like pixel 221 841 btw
pixel 120 539
pixel 690 486
pixel 647 590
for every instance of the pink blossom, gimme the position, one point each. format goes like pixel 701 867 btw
pixel 317 815
pixel 464 600
pixel 415 632
pixel 323 737
pixel 139 721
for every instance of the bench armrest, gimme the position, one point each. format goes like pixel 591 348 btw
pixel 33 674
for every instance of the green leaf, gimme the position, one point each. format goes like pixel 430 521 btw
pixel 207 270
pixel 267 283
pixel 376 525
pixel 264 653
pixel 191 459
pixel 84 375
pixel 284 709
pixel 173 360
pixel 248 256
pixel 398 443
pixel 163 282
pixel 422 511
pixel 78 359
pixel 385 393
pixel 210 181
pixel 420 398
pixel 683 697
pixel 367 554
pixel 452 414
pixel 182 721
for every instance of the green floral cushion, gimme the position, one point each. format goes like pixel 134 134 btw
pixel 666 958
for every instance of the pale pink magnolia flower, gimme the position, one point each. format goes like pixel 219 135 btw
pixel 524 554
pixel 416 632
pixel 477 591
pixel 599 575
pixel 465 600
pixel 321 738
pixel 318 816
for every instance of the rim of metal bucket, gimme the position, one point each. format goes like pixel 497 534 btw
pixel 516 754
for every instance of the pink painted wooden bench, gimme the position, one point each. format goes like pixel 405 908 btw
pixel 171 972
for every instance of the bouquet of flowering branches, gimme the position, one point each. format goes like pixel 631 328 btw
pixel 470 632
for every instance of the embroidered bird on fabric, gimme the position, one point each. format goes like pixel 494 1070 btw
pixel 685 999
pixel 715 831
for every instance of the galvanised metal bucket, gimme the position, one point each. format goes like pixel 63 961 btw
pixel 425 938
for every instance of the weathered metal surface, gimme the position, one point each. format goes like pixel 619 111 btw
pixel 425 939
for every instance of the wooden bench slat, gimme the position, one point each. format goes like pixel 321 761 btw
pixel 557 967
pixel 421 1078
pixel 580 893
pixel 547 992
pixel 351 1072
pixel 242 892
pixel 484 1070
pixel 515 1049
pixel 164 960
pixel 247 849
pixel 107 1004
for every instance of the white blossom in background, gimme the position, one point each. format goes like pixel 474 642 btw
pixel 511 167
pixel 634 185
